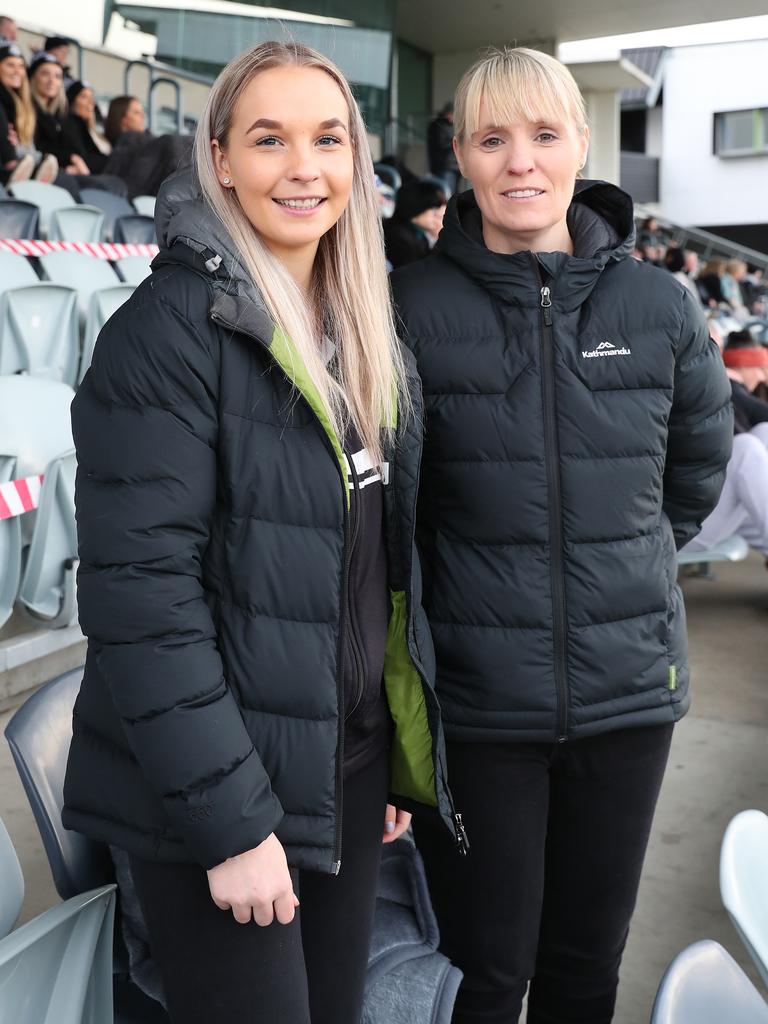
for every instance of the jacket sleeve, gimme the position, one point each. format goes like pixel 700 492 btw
pixel 145 424
pixel 700 429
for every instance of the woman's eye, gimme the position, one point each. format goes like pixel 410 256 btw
pixel 328 140
pixel 267 140
pixel 546 137
pixel 493 142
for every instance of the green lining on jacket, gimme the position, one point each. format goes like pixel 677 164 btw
pixel 293 366
pixel 413 770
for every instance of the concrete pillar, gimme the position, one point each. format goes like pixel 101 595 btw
pixel 604 135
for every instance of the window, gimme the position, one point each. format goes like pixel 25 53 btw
pixel 741 132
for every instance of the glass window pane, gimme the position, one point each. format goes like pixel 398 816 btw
pixel 737 130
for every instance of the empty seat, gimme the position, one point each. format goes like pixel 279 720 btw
pixel 19 219
pixel 11 883
pixel 16 271
pixel 145 205
pixel 86 274
pixel 10 543
pixel 744 882
pixel 705 985
pixel 111 206
pixel 46 198
pixel 133 269
pixel 35 423
pixel 136 228
pixel 39 332
pixel 77 224
pixel 103 304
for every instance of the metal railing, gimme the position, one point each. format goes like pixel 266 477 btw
pixel 705 243
pixel 150 104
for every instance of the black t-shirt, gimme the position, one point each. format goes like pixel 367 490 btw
pixel 367 721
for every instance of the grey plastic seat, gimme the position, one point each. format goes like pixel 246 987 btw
pixel 744 883
pixel 705 985
pixel 111 205
pixel 10 545
pixel 19 219
pixel 103 304
pixel 133 269
pixel 16 271
pixel 145 205
pixel 86 274
pixel 39 331
pixel 136 228
pixel 58 967
pixel 11 883
pixel 77 224
pixel 46 198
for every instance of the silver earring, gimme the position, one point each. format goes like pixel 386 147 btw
pixel 227 181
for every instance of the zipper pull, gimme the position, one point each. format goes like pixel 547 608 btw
pixel 462 842
pixel 546 304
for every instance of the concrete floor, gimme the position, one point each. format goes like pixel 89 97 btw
pixel 718 766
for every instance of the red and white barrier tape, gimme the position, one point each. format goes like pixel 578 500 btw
pixel 20 496
pixel 101 250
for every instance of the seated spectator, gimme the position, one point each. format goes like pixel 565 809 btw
pixel 743 504
pixel 141 159
pixel 730 284
pixel 710 282
pixel 52 134
pixel 8 29
pixel 58 48
pixel 649 234
pixel 675 262
pixel 754 290
pixel 19 158
pixel 82 130
pixel 413 228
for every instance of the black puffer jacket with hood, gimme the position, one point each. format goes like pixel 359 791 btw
pixel 212 511
pixel 578 426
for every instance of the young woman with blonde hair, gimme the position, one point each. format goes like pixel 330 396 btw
pixel 248 440
pixel 577 430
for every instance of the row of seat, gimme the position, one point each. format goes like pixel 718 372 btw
pixel 35 210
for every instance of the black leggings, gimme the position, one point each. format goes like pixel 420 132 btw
pixel 558 836
pixel 216 971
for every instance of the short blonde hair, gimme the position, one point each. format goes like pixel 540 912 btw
pixel 517 84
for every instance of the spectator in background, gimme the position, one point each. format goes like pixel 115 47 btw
pixel 19 157
pixel 442 159
pixel 58 48
pixel 675 262
pixel 710 282
pixel 125 114
pixel 743 504
pixel 649 233
pixel 8 29
pixel 730 284
pixel 82 130
pixel 754 291
pixel 141 159
pixel 414 226
pixel 52 135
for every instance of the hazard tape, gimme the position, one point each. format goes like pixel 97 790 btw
pixel 20 496
pixel 100 250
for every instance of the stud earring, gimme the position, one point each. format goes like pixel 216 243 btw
pixel 227 181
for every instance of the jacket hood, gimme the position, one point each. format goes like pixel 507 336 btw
pixel 600 221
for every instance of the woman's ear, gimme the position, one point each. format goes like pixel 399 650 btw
pixel 584 147
pixel 221 164
pixel 457 151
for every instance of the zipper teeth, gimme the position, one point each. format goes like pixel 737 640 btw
pixel 556 527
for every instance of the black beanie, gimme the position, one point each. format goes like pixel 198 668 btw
pixel 414 197
pixel 74 91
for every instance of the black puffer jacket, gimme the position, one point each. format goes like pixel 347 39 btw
pixel 578 426
pixel 212 515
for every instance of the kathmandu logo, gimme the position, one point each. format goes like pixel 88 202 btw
pixel 605 348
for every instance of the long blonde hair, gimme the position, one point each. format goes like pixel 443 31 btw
pixel 25 120
pixel 350 301
pixel 58 106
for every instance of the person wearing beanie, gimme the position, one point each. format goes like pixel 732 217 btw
pixel 743 504
pixel 414 226
pixel 58 48
pixel 19 157
pixel 82 129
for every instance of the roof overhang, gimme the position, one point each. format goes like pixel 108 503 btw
pixel 609 75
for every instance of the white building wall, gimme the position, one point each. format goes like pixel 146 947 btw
pixel 654 124
pixel 698 187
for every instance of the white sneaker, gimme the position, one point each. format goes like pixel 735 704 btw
pixel 23 169
pixel 47 169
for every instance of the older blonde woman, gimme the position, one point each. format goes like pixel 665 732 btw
pixel 577 432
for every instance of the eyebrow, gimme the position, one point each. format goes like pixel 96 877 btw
pixel 265 122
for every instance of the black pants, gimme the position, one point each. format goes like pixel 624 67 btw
pixel 558 835
pixel 216 971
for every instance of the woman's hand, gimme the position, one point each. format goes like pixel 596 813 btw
pixel 13 138
pixel 395 823
pixel 81 167
pixel 255 884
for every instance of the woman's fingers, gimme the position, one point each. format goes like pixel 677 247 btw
pixel 242 912
pixel 285 908
pixel 390 818
pixel 396 823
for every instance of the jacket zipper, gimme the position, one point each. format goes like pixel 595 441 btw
pixel 552 461
pixel 353 633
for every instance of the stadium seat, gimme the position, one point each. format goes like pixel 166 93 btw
pixel 111 206
pixel 744 883
pixel 35 424
pixel 145 205
pixel 86 274
pixel 39 734
pixel 103 304
pixel 136 228
pixel 48 588
pixel 10 542
pixel 133 269
pixel 39 332
pixel 58 967
pixel 705 985
pixel 16 271
pixel 11 883
pixel 46 198
pixel 19 219
pixel 77 224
